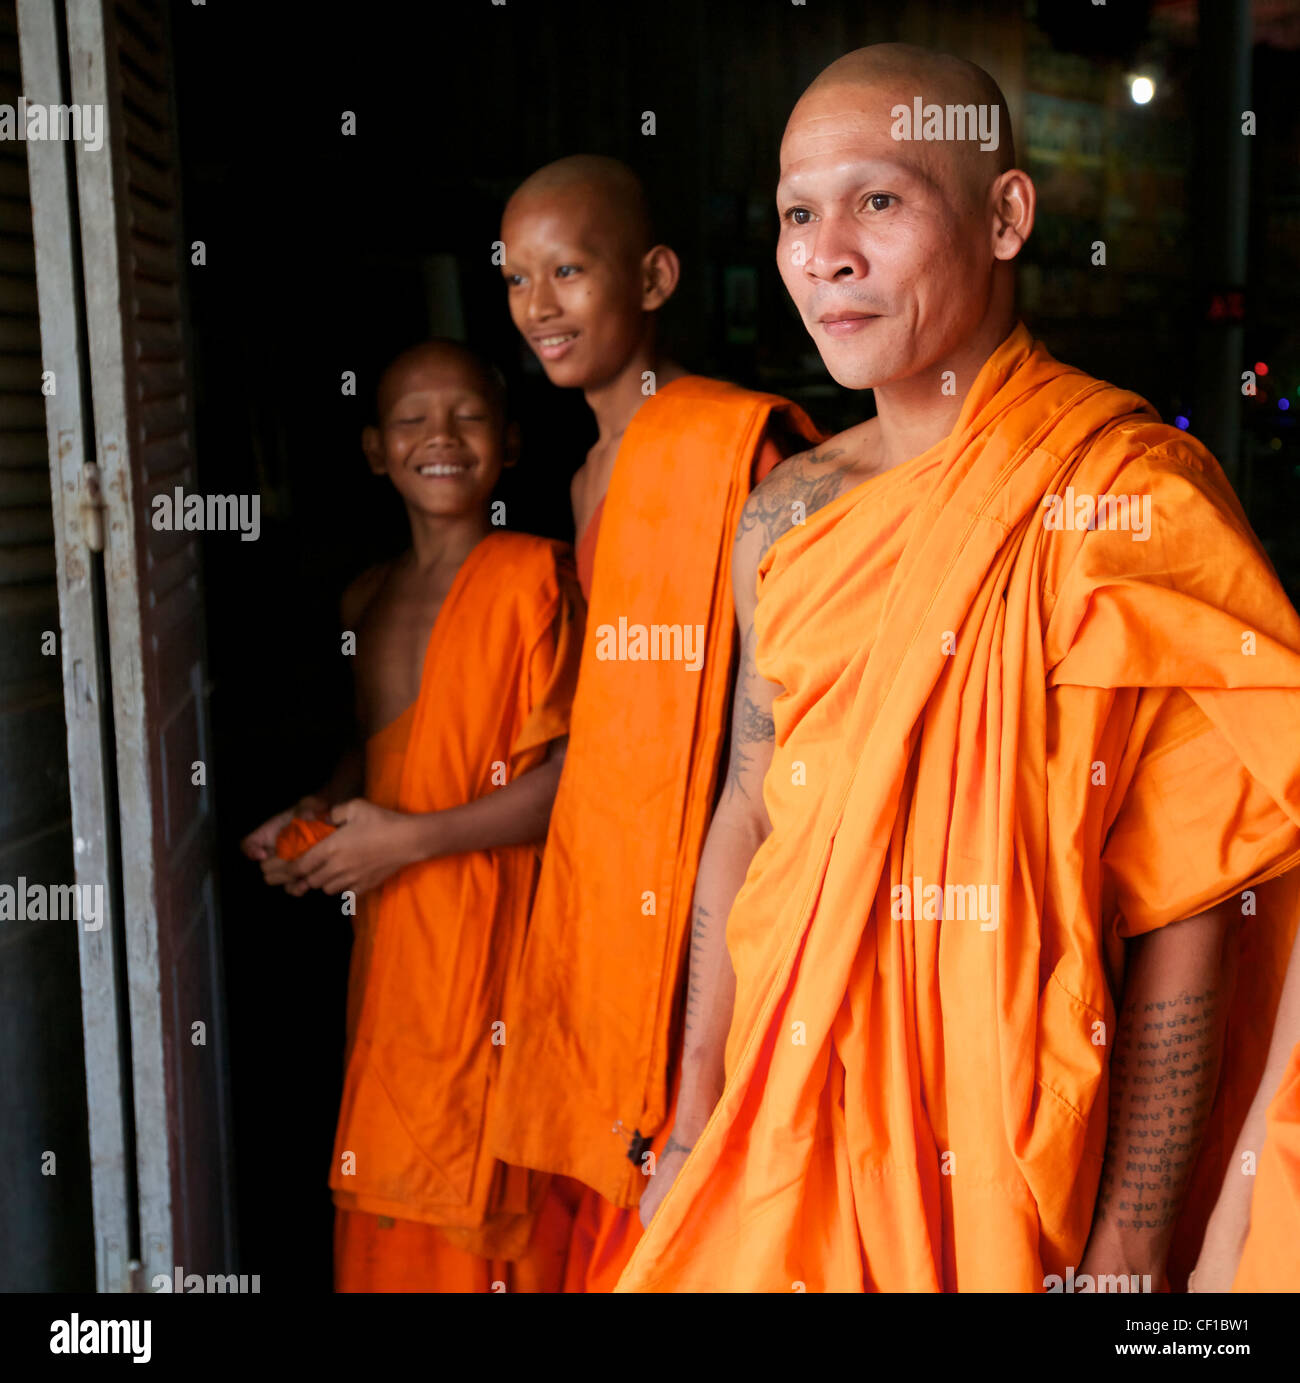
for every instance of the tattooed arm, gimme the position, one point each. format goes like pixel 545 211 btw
pixel 1163 1073
pixel 740 823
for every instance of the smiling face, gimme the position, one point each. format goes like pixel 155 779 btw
pixel 583 276
pixel 888 247
pixel 442 437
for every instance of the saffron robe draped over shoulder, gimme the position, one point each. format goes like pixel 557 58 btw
pixel 1270 1260
pixel 437 941
pixel 594 1014
pixel 1003 746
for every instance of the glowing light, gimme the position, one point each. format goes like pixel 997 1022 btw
pixel 1284 404
pixel 1182 422
pixel 1142 89
pixel 1260 368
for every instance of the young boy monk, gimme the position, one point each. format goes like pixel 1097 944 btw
pixel 466 657
pixel 587 1082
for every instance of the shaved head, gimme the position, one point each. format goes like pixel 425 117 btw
pixel 605 186
pixel 901 212
pixel 583 272
pixel 443 357
pixel 901 72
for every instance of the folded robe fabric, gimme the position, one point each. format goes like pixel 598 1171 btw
pixel 431 965
pixel 593 1017
pixel 1270 1261
pixel 1075 735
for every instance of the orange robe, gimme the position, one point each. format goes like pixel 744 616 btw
pixel 1270 1260
pixel 1052 737
pixel 587 1088
pixel 422 1205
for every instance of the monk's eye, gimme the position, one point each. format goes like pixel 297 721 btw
pixel 880 201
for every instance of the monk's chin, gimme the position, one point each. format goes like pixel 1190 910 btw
pixel 857 374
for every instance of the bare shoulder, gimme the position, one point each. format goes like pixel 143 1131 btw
pixel 361 592
pixel 797 487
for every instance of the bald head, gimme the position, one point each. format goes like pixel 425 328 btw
pixel 958 103
pixel 583 273
pixel 439 359
pixel 608 190
pixel 901 213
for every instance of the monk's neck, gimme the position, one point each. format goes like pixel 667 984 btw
pixel 440 543
pixel 615 401
pixel 918 412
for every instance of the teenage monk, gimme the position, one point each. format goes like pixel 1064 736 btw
pixel 1011 765
pixel 1252 1243
pixel 467 652
pixel 587 1082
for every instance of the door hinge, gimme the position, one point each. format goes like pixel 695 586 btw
pixel 92 508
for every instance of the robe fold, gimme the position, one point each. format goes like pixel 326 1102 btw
pixel 423 1205
pixel 595 1014
pixel 1270 1261
pixel 1007 740
pixel 584 553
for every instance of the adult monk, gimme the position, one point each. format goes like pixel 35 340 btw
pixel 1020 693
pixel 1252 1243
pixel 466 657
pixel 587 1077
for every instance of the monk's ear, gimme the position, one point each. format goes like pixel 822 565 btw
pixel 661 270
pixel 1014 201
pixel 510 446
pixel 372 443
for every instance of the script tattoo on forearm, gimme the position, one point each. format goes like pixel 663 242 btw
pixel 803 478
pixel 700 921
pixel 1164 1073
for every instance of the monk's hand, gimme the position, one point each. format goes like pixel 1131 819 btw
pixel 371 844
pixel 259 845
pixel 667 1165
pixel 1105 1257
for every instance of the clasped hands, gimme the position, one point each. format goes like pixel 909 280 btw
pixel 370 845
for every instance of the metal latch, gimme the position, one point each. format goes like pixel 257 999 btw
pixel 92 508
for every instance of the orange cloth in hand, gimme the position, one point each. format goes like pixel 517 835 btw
pixel 594 1020
pixel 1054 726
pixel 300 835
pixel 1270 1261
pixel 436 943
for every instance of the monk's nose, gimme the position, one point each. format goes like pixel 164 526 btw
pixel 541 303
pixel 442 433
pixel 835 254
